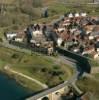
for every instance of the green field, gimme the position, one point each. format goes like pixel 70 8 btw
pixel 45 69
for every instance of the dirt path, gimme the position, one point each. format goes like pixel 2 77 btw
pixel 7 68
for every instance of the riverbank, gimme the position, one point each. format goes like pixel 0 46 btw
pixel 48 70
pixel 21 75
pixel 32 87
pixel 29 85
pixel 10 89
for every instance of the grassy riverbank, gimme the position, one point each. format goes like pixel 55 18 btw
pixel 2 64
pixel 28 84
pixel 48 70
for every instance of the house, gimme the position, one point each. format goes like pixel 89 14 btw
pixel 89 28
pixel 10 35
pixel 96 28
pixel 50 50
pixel 83 14
pixel 59 41
pixel 61 29
pixel 76 50
pixel 18 39
pixel 95 34
pixel 96 56
pixel 33 41
pixel 37 33
pixel 91 37
pixel 84 21
pixel 70 15
pixel 73 30
pixel 77 15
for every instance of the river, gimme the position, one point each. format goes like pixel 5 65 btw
pixel 11 90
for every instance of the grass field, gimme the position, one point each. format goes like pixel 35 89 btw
pixel 40 67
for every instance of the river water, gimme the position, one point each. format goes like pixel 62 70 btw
pixel 11 90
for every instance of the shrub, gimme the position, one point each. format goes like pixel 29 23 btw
pixel 15 56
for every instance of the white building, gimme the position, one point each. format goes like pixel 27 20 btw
pixel 61 29
pixel 19 39
pixel 77 15
pixel 33 41
pixel 91 37
pixel 37 33
pixel 83 14
pixel 70 15
pixel 96 56
pixel 59 41
pixel 11 35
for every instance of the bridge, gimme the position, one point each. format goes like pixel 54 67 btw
pixel 55 92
